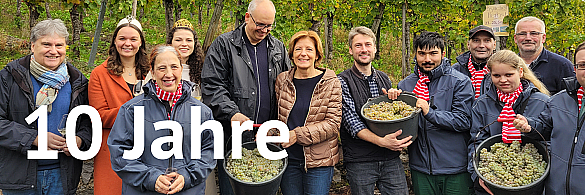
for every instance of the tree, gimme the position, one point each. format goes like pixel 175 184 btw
pixel 47 9
pixel 376 27
pixel 18 13
pixel 169 5
pixel 405 42
pixel 33 7
pixel 213 25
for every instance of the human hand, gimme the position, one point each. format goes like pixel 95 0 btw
pixel 162 184
pixel 178 183
pixel 391 142
pixel 482 184
pixel 521 124
pixel 78 143
pixel 423 104
pixel 292 139
pixel 54 141
pixel 392 93
pixel 240 117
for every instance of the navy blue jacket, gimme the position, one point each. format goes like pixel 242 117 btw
pixel 551 68
pixel 16 135
pixel 441 146
pixel 139 176
pixel 461 64
pixel 559 122
pixel 488 107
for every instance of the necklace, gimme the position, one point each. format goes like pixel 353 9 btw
pixel 129 74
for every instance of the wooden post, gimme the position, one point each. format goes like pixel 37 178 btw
pixel 96 36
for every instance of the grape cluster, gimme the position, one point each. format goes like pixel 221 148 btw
pixel 511 165
pixel 252 167
pixel 388 111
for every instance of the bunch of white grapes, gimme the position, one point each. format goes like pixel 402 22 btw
pixel 388 111
pixel 252 167
pixel 511 165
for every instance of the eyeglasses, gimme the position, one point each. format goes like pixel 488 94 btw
pixel 261 26
pixel 580 66
pixel 532 34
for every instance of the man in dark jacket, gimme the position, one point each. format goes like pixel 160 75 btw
pixel 240 71
pixel 438 157
pixel 549 67
pixel 368 158
pixel 561 122
pixel 472 63
pixel 41 79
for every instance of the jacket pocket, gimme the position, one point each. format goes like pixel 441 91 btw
pixel 242 98
pixel 320 151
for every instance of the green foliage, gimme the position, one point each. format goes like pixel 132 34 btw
pixel 451 18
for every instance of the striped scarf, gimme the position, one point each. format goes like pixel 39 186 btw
pixel 52 82
pixel 168 96
pixel 421 89
pixel 476 76
pixel 509 132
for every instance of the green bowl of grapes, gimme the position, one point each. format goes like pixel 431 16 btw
pixel 384 116
pixel 511 169
pixel 253 174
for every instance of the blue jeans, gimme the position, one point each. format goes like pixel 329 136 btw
pixel 295 181
pixel 225 188
pixel 48 182
pixel 387 175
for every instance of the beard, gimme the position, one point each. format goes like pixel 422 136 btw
pixel 421 69
pixel 360 62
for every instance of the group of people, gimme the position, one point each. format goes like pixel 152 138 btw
pixel 247 74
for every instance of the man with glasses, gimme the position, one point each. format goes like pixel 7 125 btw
pixel 239 73
pixel 549 67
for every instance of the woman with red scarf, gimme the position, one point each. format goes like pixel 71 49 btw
pixel 514 90
pixel 165 97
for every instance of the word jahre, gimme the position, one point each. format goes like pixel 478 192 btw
pixel 176 138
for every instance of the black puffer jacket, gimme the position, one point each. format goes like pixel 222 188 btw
pixel 16 136
pixel 228 82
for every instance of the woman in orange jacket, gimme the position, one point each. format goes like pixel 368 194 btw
pixel 111 85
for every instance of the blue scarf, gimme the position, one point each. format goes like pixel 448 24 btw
pixel 52 82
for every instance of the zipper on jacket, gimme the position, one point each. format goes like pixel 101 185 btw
pixel 428 146
pixel 427 139
pixel 257 86
pixel 568 178
pixel 306 117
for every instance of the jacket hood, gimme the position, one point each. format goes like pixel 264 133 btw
pixel 438 71
pixel 571 85
pixel 463 58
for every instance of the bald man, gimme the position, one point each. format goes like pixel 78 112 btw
pixel 239 73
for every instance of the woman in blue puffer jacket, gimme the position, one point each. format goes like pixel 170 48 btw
pixel 166 98
pixel 513 90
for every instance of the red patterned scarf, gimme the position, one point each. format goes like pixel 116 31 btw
pixel 476 76
pixel 580 96
pixel 421 89
pixel 509 132
pixel 168 96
